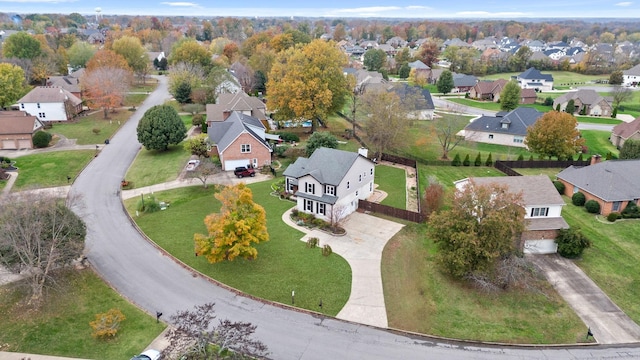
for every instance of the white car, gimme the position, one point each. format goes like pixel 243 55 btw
pixel 150 354
pixel 192 165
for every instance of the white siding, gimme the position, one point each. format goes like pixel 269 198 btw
pixel 51 111
pixel 498 138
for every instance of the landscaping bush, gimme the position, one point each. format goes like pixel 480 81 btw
pixel 520 157
pixel 489 161
pixel 548 101
pixel 559 186
pixel 530 157
pixel 313 242
pixel 456 160
pixel 612 217
pixel 96 131
pixel 148 204
pixel 294 153
pixel 288 136
pixel 205 127
pixel 466 161
pixel 106 324
pixel 197 119
pixel 326 250
pixel 578 199
pixel 592 206
pixel 279 151
pixel 478 160
pixel 41 139
pixel 631 211
pixel 571 242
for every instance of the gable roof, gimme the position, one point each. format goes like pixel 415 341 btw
pixel 18 122
pixel 235 102
pixel 403 89
pixel 328 166
pixel 418 65
pixel 224 133
pixel 534 74
pixel 586 96
pixel 49 94
pixel 634 71
pixel 611 180
pixel 69 82
pixel 626 130
pixel 528 93
pixel 464 80
pixel 518 119
pixel 536 189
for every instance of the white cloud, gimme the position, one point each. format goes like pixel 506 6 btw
pixel 624 3
pixel 370 10
pixel 180 4
pixel 417 7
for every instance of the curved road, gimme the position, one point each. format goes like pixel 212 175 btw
pixel 156 283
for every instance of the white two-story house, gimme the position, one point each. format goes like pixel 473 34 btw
pixel 543 209
pixel 330 182
pixel 533 79
pixel 51 104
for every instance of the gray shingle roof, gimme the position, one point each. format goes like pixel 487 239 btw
pixel 613 180
pixel 518 119
pixel 224 133
pixel 328 166
pixel 536 189
pixel 626 130
pixel 49 94
pixel 18 122
pixel 586 96
pixel 534 74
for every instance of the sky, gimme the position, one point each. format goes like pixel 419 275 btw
pixel 421 9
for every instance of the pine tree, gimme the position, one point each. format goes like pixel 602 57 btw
pixel 489 161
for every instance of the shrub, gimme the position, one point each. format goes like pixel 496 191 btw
pixel 313 242
pixel 433 196
pixel 489 161
pixel 288 136
pixel 456 160
pixel 580 157
pixel 295 152
pixel 41 139
pixel 531 157
pixel 205 127
pixel 578 199
pixel 279 151
pixel 466 161
pixel 96 131
pixel 559 186
pixel 197 120
pixel 106 324
pixel 326 250
pixel 148 204
pixel 520 157
pixel 571 242
pixel 631 211
pixel 614 114
pixel 478 160
pixel 592 206
pixel 612 217
pixel 558 107
pixel 548 101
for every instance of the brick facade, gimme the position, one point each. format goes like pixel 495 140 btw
pixel 605 207
pixel 258 151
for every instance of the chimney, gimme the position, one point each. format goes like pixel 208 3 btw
pixel 225 114
pixel 595 159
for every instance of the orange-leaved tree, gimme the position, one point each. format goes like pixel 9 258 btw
pixel 233 231
pixel 106 80
pixel 554 135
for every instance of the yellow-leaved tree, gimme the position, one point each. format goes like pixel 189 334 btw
pixel 233 231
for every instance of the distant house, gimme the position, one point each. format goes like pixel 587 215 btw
pixel 506 128
pixel 463 83
pixel 70 82
pixel 51 104
pixel 418 65
pixel 533 79
pixel 613 183
pixel 330 181
pixel 625 131
pixel 241 102
pixel 17 129
pixel 239 140
pixel 587 101
pixel 423 106
pixel 543 209
pixel 631 77
pixel 487 90
pixel 528 96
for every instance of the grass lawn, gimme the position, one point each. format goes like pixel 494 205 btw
pixel 598 120
pixel 446 175
pixel 598 142
pixel 560 78
pixel 154 167
pixel 61 326
pixel 50 169
pixel 392 180
pixel 420 298
pixel 550 172
pixel 284 263
pixel 488 105
pixel 613 260
pixel 82 127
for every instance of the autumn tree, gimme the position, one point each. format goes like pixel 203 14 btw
pixel 306 82
pixel 320 139
pixel 445 82
pixel 429 52
pixel 519 60
pixel 107 58
pixel 616 78
pixel 375 59
pixel 198 145
pixel 510 96
pixel 131 49
pixel 11 83
pixel 106 87
pixel 160 127
pixel 554 135
pixel 195 336
pixel 191 52
pixel 482 226
pixel 80 53
pixel 39 235
pixel 233 230
pixel 21 45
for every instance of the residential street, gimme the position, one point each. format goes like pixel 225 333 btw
pixel 151 279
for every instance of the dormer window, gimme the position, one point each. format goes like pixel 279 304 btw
pixel 505 125
pixel 330 190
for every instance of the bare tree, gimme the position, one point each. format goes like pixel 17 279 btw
pixel 106 87
pixel 193 337
pixel 204 171
pixel 447 129
pixel 337 215
pixel 620 94
pixel 38 235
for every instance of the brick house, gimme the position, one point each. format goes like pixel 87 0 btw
pixel 17 129
pixel 589 101
pixel 543 209
pixel 625 131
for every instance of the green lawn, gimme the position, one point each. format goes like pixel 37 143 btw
pixel 392 180
pixel 598 120
pixel 61 326
pixel 598 142
pixel 446 175
pixel 560 78
pixel 550 172
pixel 613 260
pixel 154 167
pixel 284 263
pixel 488 105
pixel 50 169
pixel 82 128
pixel 420 298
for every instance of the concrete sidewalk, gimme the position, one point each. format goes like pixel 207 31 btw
pixel 608 323
pixel 362 247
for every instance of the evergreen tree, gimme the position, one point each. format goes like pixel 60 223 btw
pixel 445 82
pixel 478 160
pixel 160 127
pixel 489 161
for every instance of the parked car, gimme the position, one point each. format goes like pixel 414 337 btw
pixel 192 165
pixel 150 354
pixel 242 171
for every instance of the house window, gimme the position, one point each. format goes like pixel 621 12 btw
pixel 617 205
pixel 41 115
pixel 321 208
pixel 348 185
pixel 21 106
pixel 357 192
pixel 371 171
pixel 490 136
pixel 518 139
pixel 330 190
pixel 359 178
pixel 38 105
pixel 309 188
pixel 537 212
pixel 371 186
pixel 505 126
pixel 308 205
pixel 245 148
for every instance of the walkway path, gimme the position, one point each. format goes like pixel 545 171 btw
pixel 608 323
pixel 362 247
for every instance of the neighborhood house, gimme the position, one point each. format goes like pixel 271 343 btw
pixel 17 129
pixel 506 128
pixel 533 79
pixel 586 102
pixel 51 103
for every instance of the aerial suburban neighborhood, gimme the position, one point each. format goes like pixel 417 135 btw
pixel 285 187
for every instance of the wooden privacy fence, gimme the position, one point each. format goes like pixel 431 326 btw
pixel 398 160
pixel 415 217
pixel 508 166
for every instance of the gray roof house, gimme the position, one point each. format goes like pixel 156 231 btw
pixel 51 103
pixel 463 83
pixel 542 204
pixel 423 107
pixel 631 77
pixel 506 128
pixel 330 182
pixel 612 183
pixel 418 65
pixel 589 100
pixel 533 79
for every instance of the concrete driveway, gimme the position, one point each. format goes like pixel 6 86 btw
pixel 362 248
pixel 608 323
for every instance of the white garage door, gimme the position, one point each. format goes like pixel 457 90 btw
pixel 24 144
pixel 230 165
pixel 543 246
pixel 8 144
